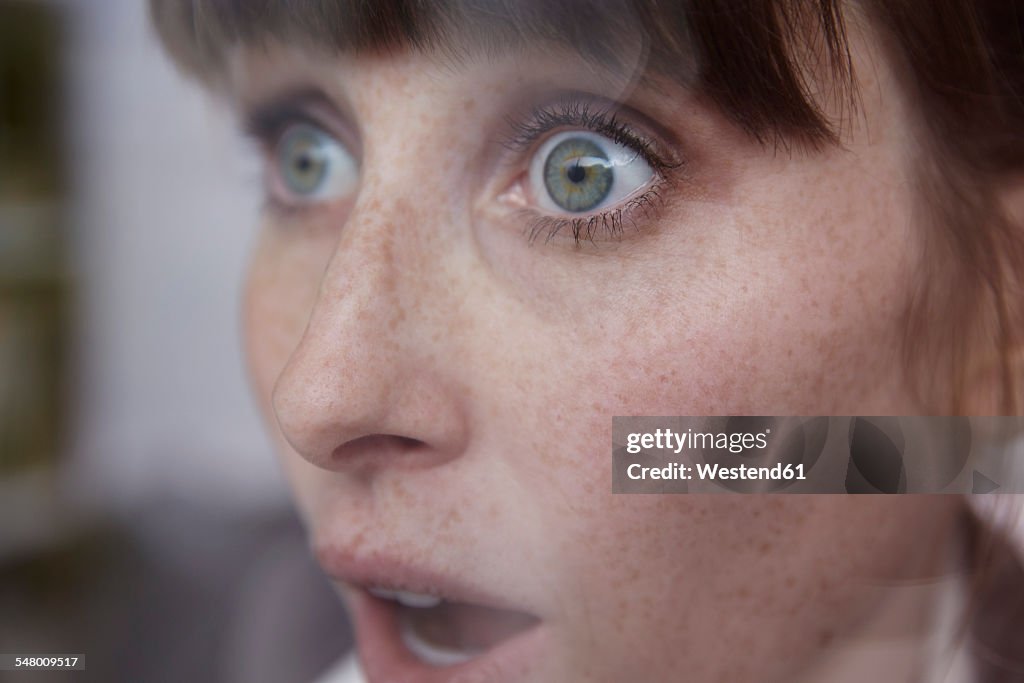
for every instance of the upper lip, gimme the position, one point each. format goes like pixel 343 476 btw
pixel 392 573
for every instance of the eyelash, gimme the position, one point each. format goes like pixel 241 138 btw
pixel 575 113
pixel 610 224
pixel 266 125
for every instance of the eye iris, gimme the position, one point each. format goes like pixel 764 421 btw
pixel 303 161
pixel 578 175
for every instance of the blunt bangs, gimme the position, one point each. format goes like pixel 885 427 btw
pixel 750 58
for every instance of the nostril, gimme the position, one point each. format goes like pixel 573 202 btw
pixel 375 449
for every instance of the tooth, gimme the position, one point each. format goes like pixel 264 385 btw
pixel 383 593
pixel 432 654
pixel 406 598
pixel 418 600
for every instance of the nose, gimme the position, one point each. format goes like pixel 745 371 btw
pixel 370 383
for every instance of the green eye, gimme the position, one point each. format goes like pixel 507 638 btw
pixel 312 165
pixel 581 171
pixel 578 175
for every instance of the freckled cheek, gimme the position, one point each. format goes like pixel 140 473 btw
pixel 752 339
pixel 775 575
pixel 745 355
pixel 643 367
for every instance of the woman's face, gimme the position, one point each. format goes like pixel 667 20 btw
pixel 441 358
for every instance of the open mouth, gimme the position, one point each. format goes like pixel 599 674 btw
pixel 407 636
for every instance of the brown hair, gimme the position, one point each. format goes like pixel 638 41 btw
pixel 962 59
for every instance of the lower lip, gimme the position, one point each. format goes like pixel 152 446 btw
pixel 386 659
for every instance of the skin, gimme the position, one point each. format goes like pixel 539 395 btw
pixel 441 389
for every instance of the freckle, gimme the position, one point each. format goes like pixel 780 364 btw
pixel 358 541
pixel 397 318
pixel 469 104
pixel 401 494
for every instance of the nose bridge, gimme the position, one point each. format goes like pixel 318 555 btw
pixel 362 367
pixel 392 261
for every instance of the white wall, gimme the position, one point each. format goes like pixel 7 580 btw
pixel 163 212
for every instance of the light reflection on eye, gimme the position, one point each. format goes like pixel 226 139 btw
pixel 580 172
pixel 311 166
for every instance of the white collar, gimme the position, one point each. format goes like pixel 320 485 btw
pixel 947 659
pixel 345 670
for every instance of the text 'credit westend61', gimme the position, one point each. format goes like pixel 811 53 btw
pixel 773 454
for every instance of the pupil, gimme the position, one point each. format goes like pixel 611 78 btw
pixel 304 163
pixel 576 173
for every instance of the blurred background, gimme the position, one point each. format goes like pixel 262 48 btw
pixel 143 521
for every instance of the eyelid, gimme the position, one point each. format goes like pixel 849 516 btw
pixel 618 122
pixel 265 121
